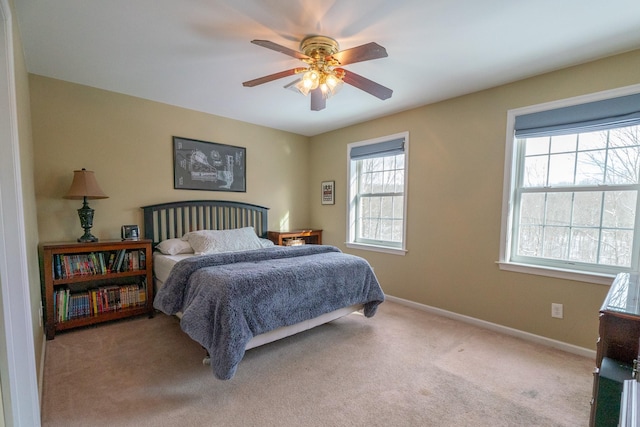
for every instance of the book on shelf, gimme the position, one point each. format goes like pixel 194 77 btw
pixel 112 259
pixel 94 302
pixel 117 265
pixel 57 267
pixel 70 265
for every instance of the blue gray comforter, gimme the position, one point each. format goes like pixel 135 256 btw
pixel 226 299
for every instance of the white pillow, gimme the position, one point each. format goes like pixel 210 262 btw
pixel 216 241
pixel 174 247
pixel 266 243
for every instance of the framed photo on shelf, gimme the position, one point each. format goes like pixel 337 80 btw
pixel 201 165
pixel 328 192
pixel 130 232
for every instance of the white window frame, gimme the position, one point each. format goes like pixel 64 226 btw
pixel 352 192
pixel 510 177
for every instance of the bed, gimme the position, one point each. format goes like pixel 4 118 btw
pixel 234 290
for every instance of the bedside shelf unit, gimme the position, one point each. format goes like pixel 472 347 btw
pixel 310 237
pixel 82 287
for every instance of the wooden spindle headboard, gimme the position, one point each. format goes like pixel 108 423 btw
pixel 174 219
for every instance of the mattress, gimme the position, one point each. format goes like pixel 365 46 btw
pixel 162 265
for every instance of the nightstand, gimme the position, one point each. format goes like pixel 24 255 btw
pixel 310 237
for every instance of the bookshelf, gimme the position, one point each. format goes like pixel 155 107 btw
pixel 90 283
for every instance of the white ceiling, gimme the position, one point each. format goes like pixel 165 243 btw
pixel 196 53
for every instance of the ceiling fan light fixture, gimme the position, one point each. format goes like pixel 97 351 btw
pixel 299 86
pixel 311 79
pixel 331 85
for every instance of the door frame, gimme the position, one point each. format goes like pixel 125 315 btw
pixel 18 378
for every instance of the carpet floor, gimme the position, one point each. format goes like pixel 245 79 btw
pixel 403 367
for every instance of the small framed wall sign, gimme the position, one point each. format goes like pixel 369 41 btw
pixel 130 232
pixel 328 192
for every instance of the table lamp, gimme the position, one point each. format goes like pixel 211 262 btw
pixel 85 187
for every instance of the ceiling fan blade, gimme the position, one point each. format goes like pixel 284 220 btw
pixel 292 85
pixel 367 85
pixel 318 102
pixel 365 52
pixel 280 48
pixel 270 77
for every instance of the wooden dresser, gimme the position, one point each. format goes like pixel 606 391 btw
pixel 619 334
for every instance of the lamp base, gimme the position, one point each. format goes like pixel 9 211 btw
pixel 87 237
pixel 86 221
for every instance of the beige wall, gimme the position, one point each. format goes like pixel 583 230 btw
pixel 455 185
pixel 456 166
pixel 127 142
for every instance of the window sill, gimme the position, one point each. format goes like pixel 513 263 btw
pixel 600 279
pixel 384 249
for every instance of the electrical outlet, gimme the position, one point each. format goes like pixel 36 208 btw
pixel 556 310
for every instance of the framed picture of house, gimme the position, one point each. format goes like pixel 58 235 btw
pixel 328 197
pixel 202 165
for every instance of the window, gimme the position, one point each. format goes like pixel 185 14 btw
pixel 377 189
pixel 571 202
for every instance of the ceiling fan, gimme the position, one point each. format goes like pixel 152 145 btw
pixel 323 76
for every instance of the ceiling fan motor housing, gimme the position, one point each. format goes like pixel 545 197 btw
pixel 319 46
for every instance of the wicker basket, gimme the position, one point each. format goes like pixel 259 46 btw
pixel 294 242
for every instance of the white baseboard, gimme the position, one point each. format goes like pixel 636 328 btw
pixel 569 348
